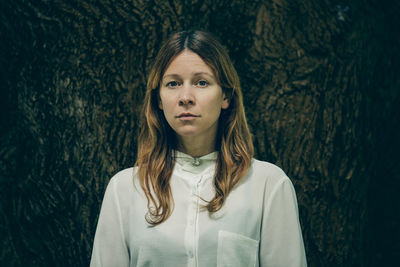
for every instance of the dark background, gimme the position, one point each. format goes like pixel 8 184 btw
pixel 321 89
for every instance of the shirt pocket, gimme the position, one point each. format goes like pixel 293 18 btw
pixel 235 250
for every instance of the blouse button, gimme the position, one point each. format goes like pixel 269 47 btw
pixel 196 162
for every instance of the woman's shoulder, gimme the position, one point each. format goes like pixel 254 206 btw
pixel 124 178
pixel 272 176
pixel 268 171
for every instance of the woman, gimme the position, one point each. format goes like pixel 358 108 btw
pixel 196 197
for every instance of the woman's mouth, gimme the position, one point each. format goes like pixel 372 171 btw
pixel 187 116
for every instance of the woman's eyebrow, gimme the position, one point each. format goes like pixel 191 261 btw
pixel 177 76
pixel 203 73
pixel 171 75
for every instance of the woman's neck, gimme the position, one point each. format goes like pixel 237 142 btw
pixel 195 147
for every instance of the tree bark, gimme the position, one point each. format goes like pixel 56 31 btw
pixel 320 84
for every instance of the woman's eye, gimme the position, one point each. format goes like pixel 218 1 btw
pixel 172 84
pixel 202 83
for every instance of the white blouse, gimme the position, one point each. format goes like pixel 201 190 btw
pixel 258 224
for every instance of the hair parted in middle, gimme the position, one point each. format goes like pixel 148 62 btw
pixel 157 140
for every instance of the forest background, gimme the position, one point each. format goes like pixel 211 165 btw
pixel 320 80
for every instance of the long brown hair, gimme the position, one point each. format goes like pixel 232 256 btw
pixel 157 140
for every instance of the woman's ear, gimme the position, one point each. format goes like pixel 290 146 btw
pixel 159 102
pixel 225 102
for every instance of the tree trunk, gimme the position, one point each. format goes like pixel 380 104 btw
pixel 320 83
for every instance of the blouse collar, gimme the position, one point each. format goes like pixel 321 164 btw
pixel 195 165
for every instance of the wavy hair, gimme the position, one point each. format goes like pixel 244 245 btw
pixel 157 140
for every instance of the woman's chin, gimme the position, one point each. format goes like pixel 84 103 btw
pixel 187 134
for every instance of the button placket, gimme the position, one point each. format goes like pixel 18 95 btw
pixel 191 229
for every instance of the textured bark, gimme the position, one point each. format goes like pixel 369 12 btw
pixel 320 82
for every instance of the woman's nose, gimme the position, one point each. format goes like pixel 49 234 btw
pixel 186 97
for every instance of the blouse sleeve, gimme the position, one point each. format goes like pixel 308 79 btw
pixel 281 241
pixel 109 247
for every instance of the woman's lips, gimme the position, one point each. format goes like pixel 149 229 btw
pixel 187 116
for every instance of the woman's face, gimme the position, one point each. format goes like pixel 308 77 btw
pixel 191 98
